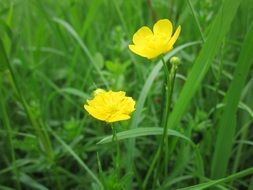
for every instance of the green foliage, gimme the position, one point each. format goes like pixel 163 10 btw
pixel 54 54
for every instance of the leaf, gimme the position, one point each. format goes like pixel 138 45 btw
pixel 145 131
pixel 84 48
pixel 212 183
pixel 75 92
pixel 3 58
pixel 30 182
pixel 219 29
pixel 76 157
pixel 227 122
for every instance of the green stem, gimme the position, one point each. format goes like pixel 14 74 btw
pixel 169 84
pixel 151 168
pixel 166 82
pixel 117 156
pixel 169 91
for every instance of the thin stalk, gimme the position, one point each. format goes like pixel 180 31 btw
pixel 169 91
pixel 117 156
pixel 196 20
pixel 151 168
pixel 240 147
pixel 163 147
pixel 166 82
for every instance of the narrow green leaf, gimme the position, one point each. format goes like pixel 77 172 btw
pixel 227 123
pixel 85 49
pixel 145 131
pixel 77 158
pixel 3 58
pixel 30 182
pixel 75 92
pixel 218 31
pixel 212 183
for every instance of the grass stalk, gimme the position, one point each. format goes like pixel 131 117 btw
pixel 117 156
pixel 196 20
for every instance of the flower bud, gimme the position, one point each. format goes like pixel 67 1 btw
pixel 175 61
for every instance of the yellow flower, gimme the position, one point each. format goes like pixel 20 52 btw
pixel 110 106
pixel 152 44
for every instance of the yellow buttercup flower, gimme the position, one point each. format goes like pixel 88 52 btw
pixel 152 44
pixel 110 106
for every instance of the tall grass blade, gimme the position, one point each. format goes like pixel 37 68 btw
pixel 77 158
pixel 218 31
pixel 74 34
pixel 212 183
pixel 227 123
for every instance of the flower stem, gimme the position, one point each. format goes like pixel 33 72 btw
pixel 117 156
pixel 169 85
pixel 163 147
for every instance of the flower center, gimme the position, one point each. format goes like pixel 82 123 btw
pixel 113 108
pixel 157 41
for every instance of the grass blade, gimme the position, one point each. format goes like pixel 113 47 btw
pixel 212 183
pixel 227 123
pixel 218 31
pixel 77 158
pixel 30 182
pixel 74 34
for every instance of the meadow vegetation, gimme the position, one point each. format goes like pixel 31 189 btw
pixel 55 54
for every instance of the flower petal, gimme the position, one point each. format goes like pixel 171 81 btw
pixel 145 51
pixel 99 90
pixel 175 36
pixel 141 35
pixel 118 117
pixel 95 113
pixel 163 28
pixel 110 106
pixel 138 50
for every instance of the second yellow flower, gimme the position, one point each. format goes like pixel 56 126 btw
pixel 152 44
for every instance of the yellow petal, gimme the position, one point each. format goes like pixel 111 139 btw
pixel 163 28
pixel 110 106
pixel 95 113
pixel 141 35
pixel 118 117
pixel 144 51
pixel 175 36
pixel 138 50
pixel 128 105
pixel 98 91
pixel 152 53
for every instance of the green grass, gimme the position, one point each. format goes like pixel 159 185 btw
pixel 54 54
